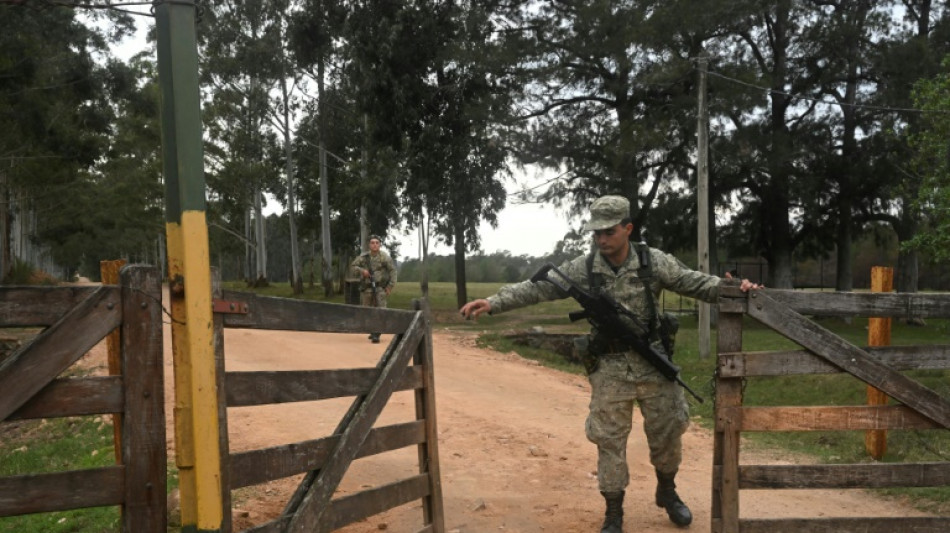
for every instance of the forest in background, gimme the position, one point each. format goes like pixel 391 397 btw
pixel 828 121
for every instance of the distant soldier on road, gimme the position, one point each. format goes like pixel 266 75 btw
pixel 634 276
pixel 377 274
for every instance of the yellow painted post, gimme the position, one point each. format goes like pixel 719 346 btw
pixel 109 274
pixel 879 334
pixel 198 454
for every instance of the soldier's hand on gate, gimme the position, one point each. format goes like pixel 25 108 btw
pixel 472 309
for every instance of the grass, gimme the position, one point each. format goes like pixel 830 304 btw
pixel 85 442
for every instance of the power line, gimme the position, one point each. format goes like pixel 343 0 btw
pixel 823 101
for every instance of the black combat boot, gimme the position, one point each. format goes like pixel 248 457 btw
pixel 613 518
pixel 667 498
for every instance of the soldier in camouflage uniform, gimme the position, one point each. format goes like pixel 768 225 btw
pixel 374 265
pixel 621 376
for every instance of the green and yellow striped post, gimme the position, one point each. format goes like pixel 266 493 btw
pixel 198 455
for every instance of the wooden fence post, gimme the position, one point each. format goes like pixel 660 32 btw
pixel 109 274
pixel 879 334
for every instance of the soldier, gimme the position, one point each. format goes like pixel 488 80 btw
pixel 377 274
pixel 618 375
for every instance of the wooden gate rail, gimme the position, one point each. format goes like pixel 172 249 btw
pixel 327 459
pixel 825 353
pixel 76 319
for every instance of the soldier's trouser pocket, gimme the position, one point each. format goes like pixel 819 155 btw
pixel 583 353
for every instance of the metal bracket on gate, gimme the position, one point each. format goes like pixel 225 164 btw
pixel 229 306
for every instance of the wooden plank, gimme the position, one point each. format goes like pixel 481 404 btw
pixel 270 387
pixel 268 312
pixel 27 371
pixel 432 506
pixel 725 489
pixel 38 306
pixel 799 362
pixel 848 357
pixel 849 476
pixel 267 464
pixel 224 446
pixel 355 507
pixel 143 434
pixel 59 491
pixel 307 519
pixel 363 504
pixel 75 397
pixel 847 525
pixel 828 418
pixel 895 305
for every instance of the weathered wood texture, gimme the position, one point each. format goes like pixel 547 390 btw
pixel 825 418
pixel 895 305
pixel 270 387
pixel 224 446
pixel 846 525
pixel 800 362
pixel 355 507
pixel 825 353
pixel 848 476
pixel 848 357
pixel 304 487
pixel 143 435
pixel 28 370
pixel 308 517
pixel 267 464
pixel 432 508
pixel 725 489
pixel 109 274
pixel 268 312
pixel 74 397
pixel 75 489
pixel 38 306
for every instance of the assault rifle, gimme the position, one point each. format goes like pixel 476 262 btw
pixel 372 278
pixel 614 320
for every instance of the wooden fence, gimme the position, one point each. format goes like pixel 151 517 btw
pixel 75 320
pixel 405 365
pixel 825 352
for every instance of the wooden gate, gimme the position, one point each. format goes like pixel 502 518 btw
pixel 76 319
pixel 405 365
pixel 825 352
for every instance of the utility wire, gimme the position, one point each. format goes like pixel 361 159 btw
pixel 822 101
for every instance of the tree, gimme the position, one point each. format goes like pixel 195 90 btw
pixel 932 162
pixel 56 102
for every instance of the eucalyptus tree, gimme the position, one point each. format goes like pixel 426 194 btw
pixel 251 77
pixel 57 87
pixel 432 94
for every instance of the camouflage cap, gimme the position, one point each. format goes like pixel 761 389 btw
pixel 377 237
pixel 607 212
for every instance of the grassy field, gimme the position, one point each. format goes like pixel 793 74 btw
pixel 83 442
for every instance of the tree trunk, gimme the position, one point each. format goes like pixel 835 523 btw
pixel 296 278
pixel 260 277
pixel 424 256
pixel 324 191
pixel 460 285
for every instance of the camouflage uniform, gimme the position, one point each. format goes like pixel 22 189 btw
pixel 623 377
pixel 384 272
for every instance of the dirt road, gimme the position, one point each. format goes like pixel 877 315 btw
pixel 513 452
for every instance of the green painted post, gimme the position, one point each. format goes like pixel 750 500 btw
pixel 198 454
